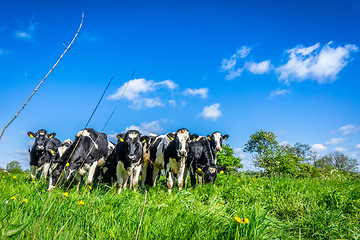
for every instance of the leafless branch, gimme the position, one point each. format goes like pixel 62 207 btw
pixel 67 48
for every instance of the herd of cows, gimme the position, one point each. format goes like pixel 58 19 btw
pixel 91 154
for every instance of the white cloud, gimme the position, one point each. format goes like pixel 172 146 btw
pixel 228 65
pixel 233 74
pixel 168 83
pixel 211 112
pixel 239 153
pixel 26 33
pixel 135 89
pixel 259 68
pixel 146 103
pixel 341 149
pixel 334 141
pixel 321 65
pixel 318 147
pixel 347 129
pixel 281 92
pixel 146 128
pixel 202 92
pixel 172 103
pixel 357 146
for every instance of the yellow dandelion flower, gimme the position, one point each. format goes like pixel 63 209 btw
pixel 221 172
pixel 3 177
pixel 239 220
pixel 14 176
pixel 67 164
pixel 90 187
pixel 246 220
pixel 66 194
pixel 43 190
pixel 34 181
pixel 238 180
pixel 81 202
pixel 336 188
pixel 13 198
pixel 25 200
pixel 199 170
pixel 243 200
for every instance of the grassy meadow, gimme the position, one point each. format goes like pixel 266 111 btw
pixel 238 207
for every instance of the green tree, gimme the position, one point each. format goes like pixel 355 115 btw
pixel 279 159
pixel 14 167
pixel 226 158
pixel 338 161
pixel 265 148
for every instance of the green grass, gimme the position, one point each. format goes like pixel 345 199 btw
pixel 277 208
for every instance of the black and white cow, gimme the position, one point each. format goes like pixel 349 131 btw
pixel 88 151
pixel 146 158
pixel 201 161
pixel 126 159
pixel 216 139
pixel 50 154
pixel 170 151
pixel 37 149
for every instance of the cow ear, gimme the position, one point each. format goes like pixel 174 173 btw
pixel 225 136
pixel 143 139
pixel 30 134
pixel 193 137
pixel 52 135
pixel 208 137
pixel 171 136
pixel 120 137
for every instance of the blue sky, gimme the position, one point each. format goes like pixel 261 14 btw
pixel 291 67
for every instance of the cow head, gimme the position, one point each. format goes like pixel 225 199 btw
pixel 209 172
pixel 182 139
pixel 147 141
pixel 133 144
pixel 41 137
pixel 216 140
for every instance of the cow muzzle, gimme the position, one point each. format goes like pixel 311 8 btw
pixel 183 153
pixel 40 148
pixel 218 148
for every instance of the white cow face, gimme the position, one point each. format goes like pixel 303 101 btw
pixel 216 140
pixel 181 138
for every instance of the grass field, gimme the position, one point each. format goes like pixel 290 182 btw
pixel 238 207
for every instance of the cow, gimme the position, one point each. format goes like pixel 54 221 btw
pixel 37 149
pixel 87 152
pixel 50 154
pixel 216 139
pixel 169 151
pixel 124 163
pixel 201 161
pixel 146 158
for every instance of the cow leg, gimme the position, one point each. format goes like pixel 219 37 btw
pixel 200 179
pixel 91 172
pixel 180 175
pixel 169 180
pixel 136 174
pixel 32 172
pixel 186 174
pixel 143 173
pixel 155 175
pixel 45 170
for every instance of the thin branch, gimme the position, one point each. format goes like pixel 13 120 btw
pixel 82 18
pixel 67 48
pixel 141 218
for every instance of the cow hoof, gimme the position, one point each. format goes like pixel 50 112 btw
pixel 51 187
pixel 169 191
